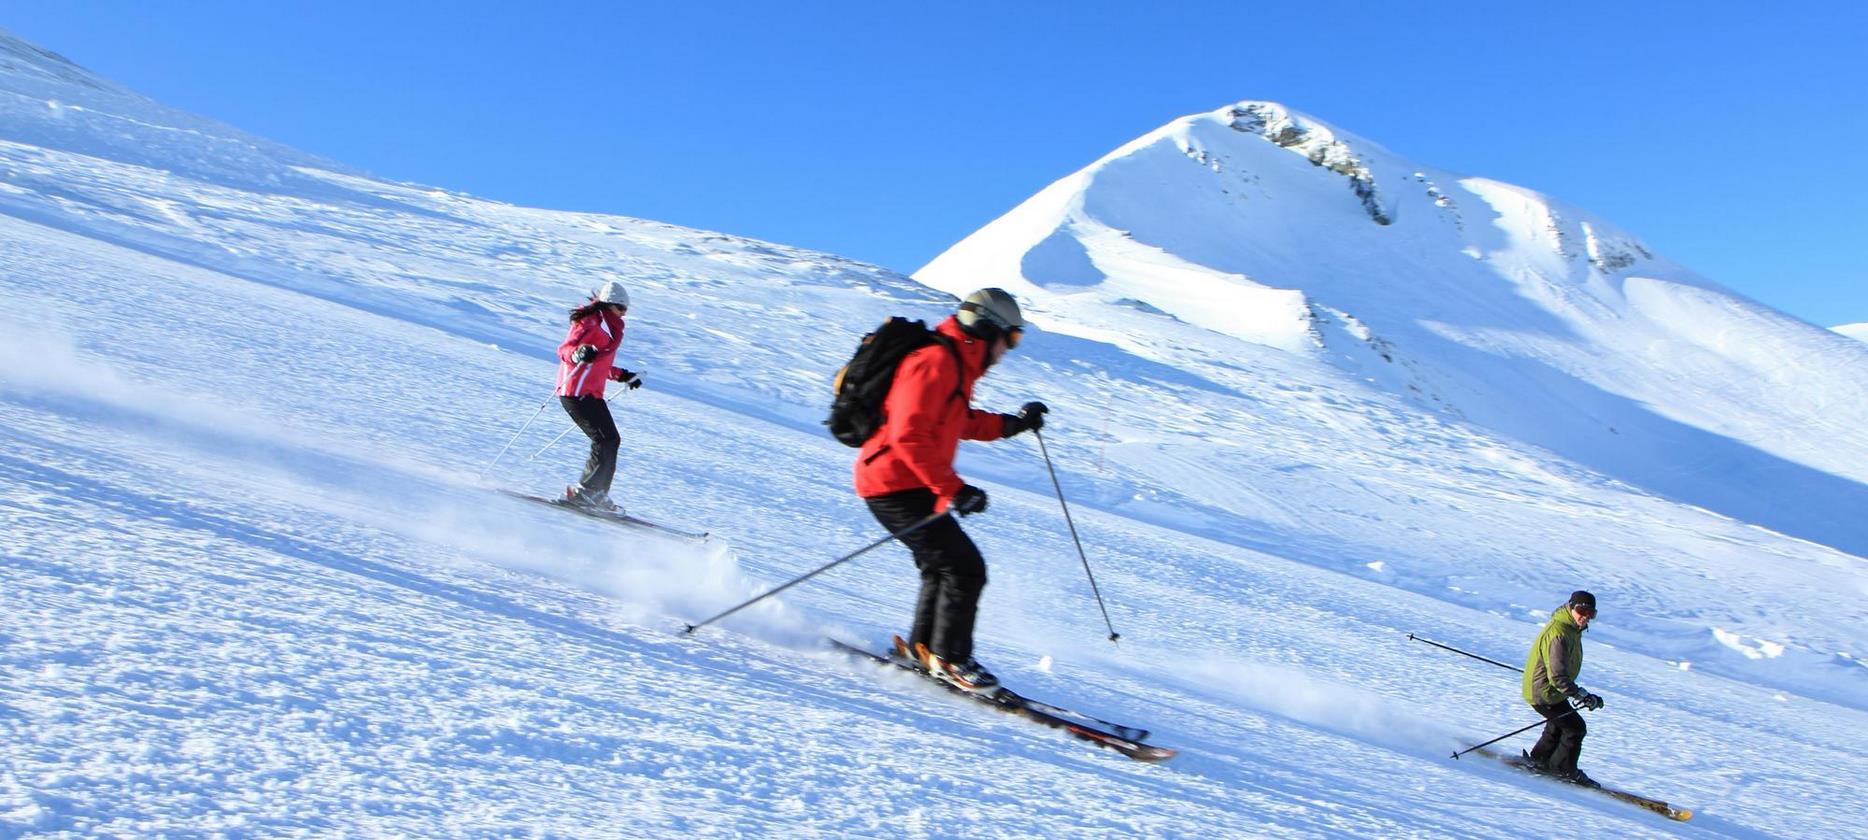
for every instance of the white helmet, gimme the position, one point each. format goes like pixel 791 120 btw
pixel 611 292
pixel 989 312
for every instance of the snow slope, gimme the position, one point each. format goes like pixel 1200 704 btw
pixel 254 584
pixel 1856 331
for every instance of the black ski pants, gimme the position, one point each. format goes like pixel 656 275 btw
pixel 1562 742
pixel 952 572
pixel 592 415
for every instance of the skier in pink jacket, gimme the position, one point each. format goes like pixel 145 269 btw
pixel 587 363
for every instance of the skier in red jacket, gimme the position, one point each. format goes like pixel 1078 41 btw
pixel 586 364
pixel 905 473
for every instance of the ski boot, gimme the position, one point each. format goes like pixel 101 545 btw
pixel 593 502
pixel 970 676
pixel 904 655
pixel 1578 777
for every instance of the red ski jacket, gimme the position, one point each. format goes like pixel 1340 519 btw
pixel 604 329
pixel 927 413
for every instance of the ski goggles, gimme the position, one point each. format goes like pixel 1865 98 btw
pixel 1013 334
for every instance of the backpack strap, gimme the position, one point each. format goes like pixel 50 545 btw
pixel 959 365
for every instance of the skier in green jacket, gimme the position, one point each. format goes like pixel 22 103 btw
pixel 1550 686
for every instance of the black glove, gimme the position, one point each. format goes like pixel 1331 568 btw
pixel 1591 702
pixel 584 353
pixel 969 500
pixel 626 377
pixel 1029 417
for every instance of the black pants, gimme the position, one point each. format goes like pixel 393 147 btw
pixel 1562 742
pixel 952 572
pixel 592 415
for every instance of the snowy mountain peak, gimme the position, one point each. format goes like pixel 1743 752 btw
pixel 1256 225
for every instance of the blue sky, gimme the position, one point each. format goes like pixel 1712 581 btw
pixel 1727 136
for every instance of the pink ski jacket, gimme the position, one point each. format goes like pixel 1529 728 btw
pixel 603 329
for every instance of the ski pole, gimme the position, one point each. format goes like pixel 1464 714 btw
pixel 515 439
pixel 1464 653
pixel 554 441
pixel 1573 710
pixel 922 523
pixel 573 427
pixel 1042 450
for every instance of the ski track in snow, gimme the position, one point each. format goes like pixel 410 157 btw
pixel 252 584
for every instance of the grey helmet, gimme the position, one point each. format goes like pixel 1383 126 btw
pixel 611 292
pixel 988 313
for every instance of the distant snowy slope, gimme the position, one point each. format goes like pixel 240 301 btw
pixel 48 102
pixel 255 577
pixel 1479 300
pixel 1856 331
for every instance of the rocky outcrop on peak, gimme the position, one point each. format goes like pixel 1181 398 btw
pixel 1317 144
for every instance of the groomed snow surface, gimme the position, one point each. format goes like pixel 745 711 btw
pixel 257 579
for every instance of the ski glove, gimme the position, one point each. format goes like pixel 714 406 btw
pixel 626 377
pixel 1029 417
pixel 584 353
pixel 1591 702
pixel 969 500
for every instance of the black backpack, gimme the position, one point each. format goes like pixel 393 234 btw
pixel 863 383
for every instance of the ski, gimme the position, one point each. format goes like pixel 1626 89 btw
pixel 1130 732
pixel 1657 806
pixel 1669 811
pixel 1126 740
pixel 904 661
pixel 623 519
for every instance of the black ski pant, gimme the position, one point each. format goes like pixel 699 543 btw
pixel 592 415
pixel 1562 742
pixel 952 572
